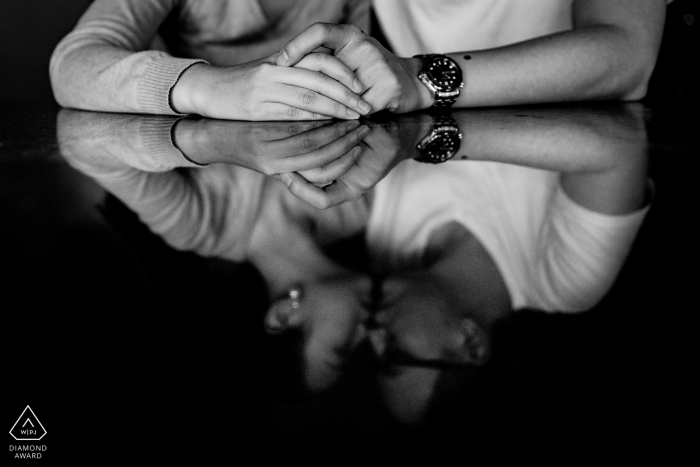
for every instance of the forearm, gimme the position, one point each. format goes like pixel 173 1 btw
pixel 107 142
pixel 598 62
pixel 186 95
pixel 205 141
pixel 600 151
pixel 103 78
pixel 132 157
pixel 584 139
pixel 609 54
pixel 103 64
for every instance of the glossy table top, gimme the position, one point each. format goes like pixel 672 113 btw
pixel 556 247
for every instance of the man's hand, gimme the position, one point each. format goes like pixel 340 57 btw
pixel 320 88
pixel 392 82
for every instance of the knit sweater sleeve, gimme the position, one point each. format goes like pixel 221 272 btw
pixel 104 64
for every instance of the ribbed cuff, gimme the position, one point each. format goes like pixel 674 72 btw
pixel 161 76
pixel 157 141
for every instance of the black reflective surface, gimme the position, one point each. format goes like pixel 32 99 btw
pixel 536 288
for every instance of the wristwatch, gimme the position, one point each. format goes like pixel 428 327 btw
pixel 442 76
pixel 442 143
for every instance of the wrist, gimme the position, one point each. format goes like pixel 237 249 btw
pixel 442 142
pixel 184 138
pixel 412 135
pixel 442 75
pixel 185 95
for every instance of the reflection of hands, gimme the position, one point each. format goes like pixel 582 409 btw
pixel 383 149
pixel 320 151
pixel 319 87
pixel 392 82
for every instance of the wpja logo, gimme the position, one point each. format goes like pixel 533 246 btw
pixel 28 428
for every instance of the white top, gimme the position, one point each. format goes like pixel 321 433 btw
pixel 443 26
pixel 553 254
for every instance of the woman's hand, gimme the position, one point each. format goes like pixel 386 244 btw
pixel 320 87
pixel 392 82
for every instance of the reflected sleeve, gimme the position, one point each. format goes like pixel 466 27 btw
pixel 582 254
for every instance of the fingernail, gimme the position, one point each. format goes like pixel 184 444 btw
pixel 286 178
pixel 364 132
pixel 364 107
pixel 352 114
pixel 356 85
pixel 283 57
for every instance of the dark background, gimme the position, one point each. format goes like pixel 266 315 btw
pixel 30 29
pixel 78 381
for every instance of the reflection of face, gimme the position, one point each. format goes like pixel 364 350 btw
pixel 415 324
pixel 330 316
pixel 417 320
pixel 419 329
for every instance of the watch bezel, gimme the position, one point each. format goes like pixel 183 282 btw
pixel 438 64
pixel 444 128
pixel 444 94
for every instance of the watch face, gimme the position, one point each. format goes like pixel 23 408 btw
pixel 441 147
pixel 444 74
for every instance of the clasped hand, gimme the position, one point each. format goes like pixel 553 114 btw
pixel 391 83
pixel 322 163
pixel 360 77
pixel 383 146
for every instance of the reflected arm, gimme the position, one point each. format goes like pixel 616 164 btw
pixel 208 210
pixel 600 151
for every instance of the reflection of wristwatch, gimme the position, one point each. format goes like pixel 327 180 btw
pixel 442 76
pixel 442 143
